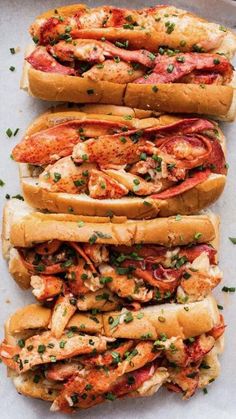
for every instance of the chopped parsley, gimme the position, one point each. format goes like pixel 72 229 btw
pixel 170 68
pixel 56 177
pixel 152 56
pixel 128 317
pixel 9 132
pixel 116 59
pixel 110 396
pixel 105 279
pixel 80 224
pixel 79 182
pixel 21 343
pixel 146 336
pixel 170 26
pixel 161 319
pixel 36 379
pixel 41 349
pixel 128 117
pixel 116 357
pixel 222 28
pixel 62 344
pixel 105 296
pixel 197 48
pixel 180 59
pixel 123 44
pixel 148 204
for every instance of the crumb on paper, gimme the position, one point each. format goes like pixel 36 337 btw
pixel 8 301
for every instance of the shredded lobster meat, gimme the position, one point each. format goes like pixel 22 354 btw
pixel 186 185
pixel 160 162
pixel 97 52
pixel 218 330
pixel 134 274
pixel 187 68
pixel 94 23
pixel 172 69
pixel 88 370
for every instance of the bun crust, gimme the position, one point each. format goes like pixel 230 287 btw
pixel 38 227
pixel 213 100
pixel 183 320
pixel 171 319
pixel 189 202
pixel 33 227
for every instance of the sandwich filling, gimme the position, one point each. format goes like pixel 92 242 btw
pixel 73 276
pixel 109 160
pixel 78 371
pixel 107 44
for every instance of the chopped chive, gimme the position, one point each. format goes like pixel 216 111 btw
pixel 9 132
pixel 228 289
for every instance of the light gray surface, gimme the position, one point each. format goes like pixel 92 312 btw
pixel 17 110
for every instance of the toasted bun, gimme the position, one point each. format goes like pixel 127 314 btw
pixel 188 202
pixel 33 316
pixel 24 227
pixel 183 320
pixel 37 227
pixel 25 384
pixel 213 100
pixel 172 319
pixel 13 211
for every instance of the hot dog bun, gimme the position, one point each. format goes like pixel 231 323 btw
pixel 24 227
pixel 213 100
pixel 150 30
pixel 186 321
pixel 189 202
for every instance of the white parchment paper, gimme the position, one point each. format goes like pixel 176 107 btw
pixel 17 110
